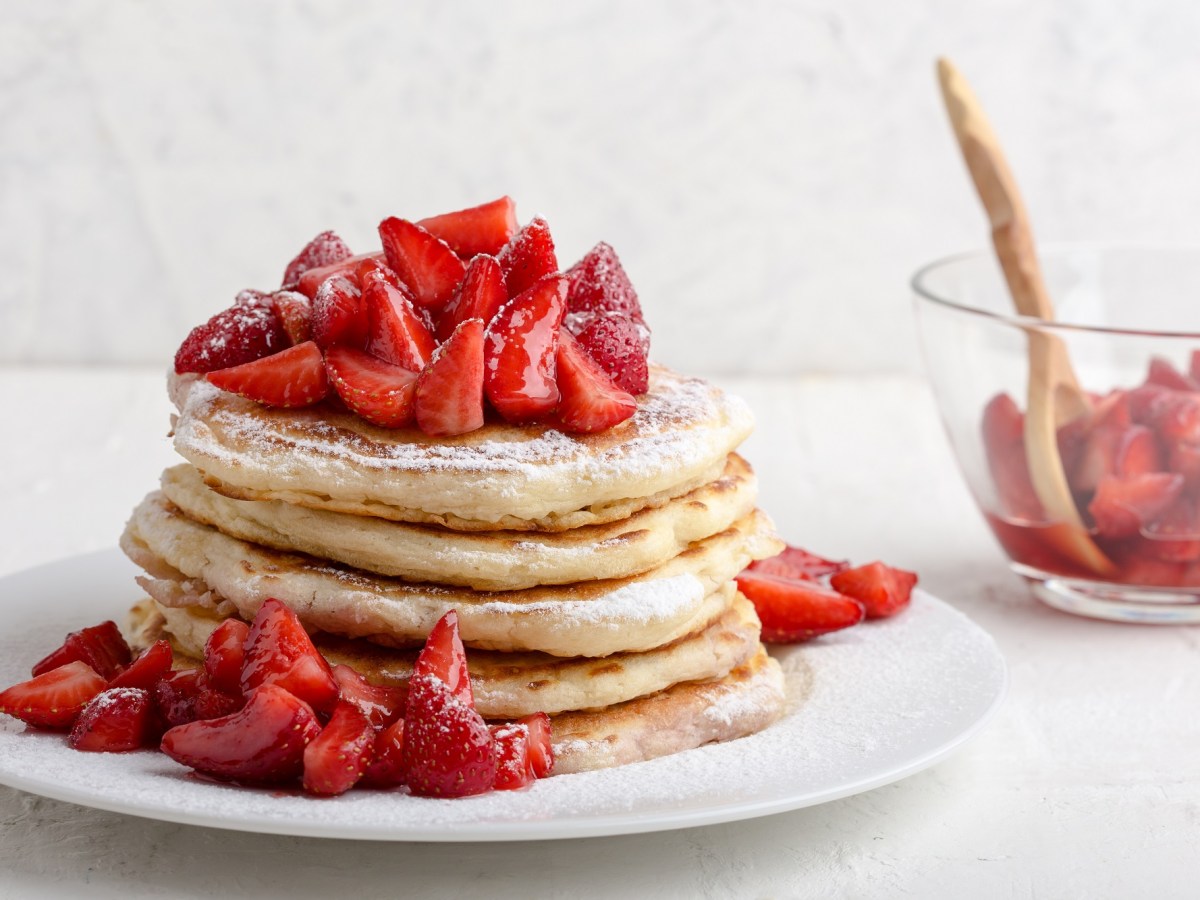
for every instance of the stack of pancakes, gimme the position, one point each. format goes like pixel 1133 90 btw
pixel 592 574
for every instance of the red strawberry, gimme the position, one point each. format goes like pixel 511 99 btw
pixel 395 333
pixel 1137 452
pixel 311 280
pixel 1175 415
pixel 449 397
pixel 528 257
pixel 280 652
pixel 148 669
pixel 1185 459
pixel 295 314
pixel 381 393
pixel 338 314
pixel 374 269
pixel 224 654
pixel 1071 438
pixel 1122 506
pixel 1099 457
pixel 620 345
pixel 448 750
pixel 1163 373
pixel 425 263
pixel 295 377
pixel 589 401
pixel 247 331
pixel 382 704
pixel 794 562
pixel 323 250
pixel 1004 446
pixel 480 296
pixel 514 769
pixel 443 657
pixel 117 720
pixel 1175 535
pixel 882 590
pixel 1145 569
pixel 102 647
pixel 338 756
pixel 387 768
pixel 53 699
pixel 599 285
pixel 481 229
pixel 1145 401
pixel 1003 423
pixel 261 743
pixel 186 696
pixel 520 352
pixel 794 611
pixel 541 752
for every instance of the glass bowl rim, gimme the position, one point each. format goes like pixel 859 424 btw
pixel 925 293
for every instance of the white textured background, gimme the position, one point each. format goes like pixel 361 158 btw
pixel 771 172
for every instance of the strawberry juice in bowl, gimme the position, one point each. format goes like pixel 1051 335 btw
pixel 1126 429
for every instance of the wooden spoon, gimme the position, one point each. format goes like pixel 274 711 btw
pixel 1055 396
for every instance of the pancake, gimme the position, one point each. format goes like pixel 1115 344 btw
pixel 499 477
pixel 506 685
pixel 480 560
pixel 585 619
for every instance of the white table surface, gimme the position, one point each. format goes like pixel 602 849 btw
pixel 1086 784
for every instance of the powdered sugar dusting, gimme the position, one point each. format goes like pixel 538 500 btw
pixel 639 602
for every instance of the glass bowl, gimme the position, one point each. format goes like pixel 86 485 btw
pixel 1129 319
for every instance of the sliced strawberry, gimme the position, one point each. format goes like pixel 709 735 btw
pixel 520 350
pixel 589 400
pixel 387 767
pixel 1123 506
pixel 314 278
pixel 280 652
pixel 541 751
pixel 53 699
pixel 323 250
pixel 382 704
pixel 261 743
pixel 599 284
pixel 443 657
pixel 186 696
pixel 1003 424
pixel 794 562
pixel 449 397
pixel 1142 568
pixel 514 768
pixel 292 378
pixel 295 314
pixel 448 750
pixel 374 269
pixel 424 262
pixel 381 393
pixel 1071 438
pixel 620 345
pixel 395 333
pixel 244 332
pixel 480 296
pixel 1137 452
pixel 1163 373
pixel 481 229
pixel 793 611
pixel 148 669
pixel 224 655
pixel 1175 415
pixel 102 647
pixel 1112 409
pixel 1175 535
pixel 1099 457
pixel 528 257
pixel 1185 459
pixel 117 720
pixel 338 756
pixel 882 590
pixel 339 315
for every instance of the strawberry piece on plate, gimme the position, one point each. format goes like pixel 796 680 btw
pixel 338 314
pixel 794 562
pixel 528 257
pixel 244 332
pixel 481 229
pixel 311 280
pixel 377 391
pixel 520 350
pixel 225 654
pixel 882 590
pixel 514 768
pixel 395 333
pixel 338 756
pixel 186 696
pixel 599 285
pixel 620 345
pixel 101 646
pixel 424 262
pixel 444 658
pixel 589 400
pixel 280 652
pixel 115 721
pixel 382 704
pixel 148 669
pixel 292 378
pixel 793 610
pixel 1163 373
pixel 295 314
pixel 53 699
pixel 1121 507
pixel 448 750
pixel 480 296
pixel 387 768
pixel 261 743
pixel 449 398
pixel 323 250
pixel 541 752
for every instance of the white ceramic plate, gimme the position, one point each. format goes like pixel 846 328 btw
pixel 869 706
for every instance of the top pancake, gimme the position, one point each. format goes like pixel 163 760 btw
pixel 498 477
